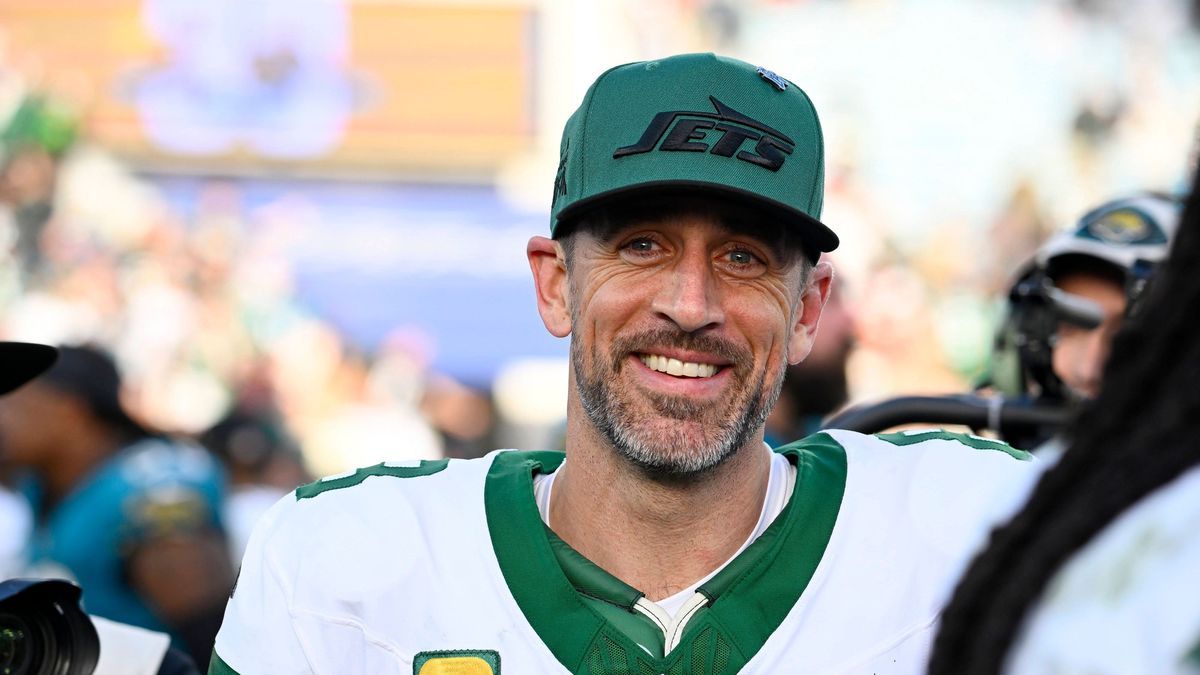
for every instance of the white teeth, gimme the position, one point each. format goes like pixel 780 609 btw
pixel 676 367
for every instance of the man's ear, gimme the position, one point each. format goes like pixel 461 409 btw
pixel 549 268
pixel 812 300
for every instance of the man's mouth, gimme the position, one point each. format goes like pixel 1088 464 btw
pixel 670 366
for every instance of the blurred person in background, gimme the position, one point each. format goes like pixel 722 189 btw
pixel 125 650
pixel 263 463
pixel 132 516
pixel 32 143
pixel 19 363
pixel 1054 348
pixel 1097 573
pixel 1107 259
pixel 463 416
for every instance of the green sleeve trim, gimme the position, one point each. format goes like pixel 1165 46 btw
pixel 216 666
pixel 902 438
pixel 426 467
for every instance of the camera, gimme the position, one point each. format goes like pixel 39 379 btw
pixel 43 630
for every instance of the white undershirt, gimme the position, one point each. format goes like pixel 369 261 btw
pixel 780 484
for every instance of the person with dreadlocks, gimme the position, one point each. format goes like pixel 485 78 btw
pixel 1097 573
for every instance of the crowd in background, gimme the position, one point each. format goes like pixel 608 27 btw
pixel 204 321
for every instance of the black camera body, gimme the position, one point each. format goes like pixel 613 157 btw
pixel 43 630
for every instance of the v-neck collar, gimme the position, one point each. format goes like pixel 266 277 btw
pixel 749 598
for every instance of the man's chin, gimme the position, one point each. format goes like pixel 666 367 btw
pixel 676 448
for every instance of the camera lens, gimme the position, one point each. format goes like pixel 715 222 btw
pixel 43 630
pixel 14 645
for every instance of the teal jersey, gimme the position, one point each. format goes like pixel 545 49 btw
pixel 152 487
pixel 447 567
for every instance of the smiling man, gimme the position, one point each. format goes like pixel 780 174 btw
pixel 684 264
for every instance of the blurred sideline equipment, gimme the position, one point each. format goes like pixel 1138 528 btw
pixel 43 631
pixel 1024 398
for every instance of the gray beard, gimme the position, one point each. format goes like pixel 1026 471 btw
pixel 671 455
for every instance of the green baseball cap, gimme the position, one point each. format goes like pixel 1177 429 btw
pixel 696 121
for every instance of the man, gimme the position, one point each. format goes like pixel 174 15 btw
pixel 669 539
pixel 1106 259
pixel 1070 299
pixel 130 515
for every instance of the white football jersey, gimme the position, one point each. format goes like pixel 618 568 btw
pixel 445 567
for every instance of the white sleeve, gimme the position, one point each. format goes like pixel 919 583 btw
pixel 258 635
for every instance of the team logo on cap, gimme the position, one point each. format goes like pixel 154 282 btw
pixel 722 133
pixel 1123 226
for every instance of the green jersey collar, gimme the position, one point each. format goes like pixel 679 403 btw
pixel 750 597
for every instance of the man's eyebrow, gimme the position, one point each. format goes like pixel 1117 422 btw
pixel 783 248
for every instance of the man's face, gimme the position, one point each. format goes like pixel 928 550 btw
pixel 1079 354
pixel 682 329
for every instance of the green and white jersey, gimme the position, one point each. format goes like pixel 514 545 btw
pixel 446 567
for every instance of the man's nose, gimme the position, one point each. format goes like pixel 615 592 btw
pixel 689 295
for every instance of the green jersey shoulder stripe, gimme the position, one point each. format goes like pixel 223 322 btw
pixel 425 467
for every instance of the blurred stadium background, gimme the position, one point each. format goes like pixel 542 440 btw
pixel 319 207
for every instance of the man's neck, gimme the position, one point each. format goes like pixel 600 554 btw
pixel 659 537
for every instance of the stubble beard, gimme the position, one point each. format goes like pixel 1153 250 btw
pixel 673 437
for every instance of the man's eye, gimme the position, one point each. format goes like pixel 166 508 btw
pixel 641 245
pixel 742 258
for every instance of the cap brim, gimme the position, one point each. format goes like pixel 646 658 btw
pixel 20 362
pixel 816 236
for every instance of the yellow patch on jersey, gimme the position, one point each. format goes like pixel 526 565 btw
pixel 456 665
